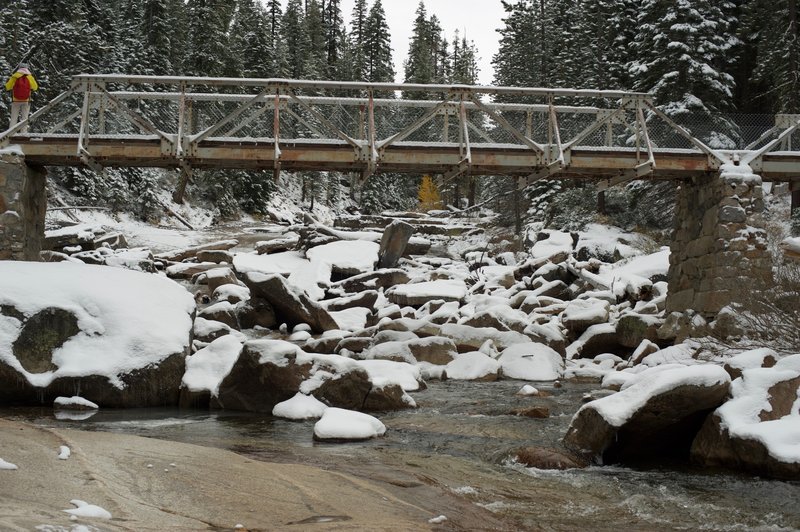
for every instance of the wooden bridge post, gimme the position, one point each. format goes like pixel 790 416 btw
pixel 719 252
pixel 23 203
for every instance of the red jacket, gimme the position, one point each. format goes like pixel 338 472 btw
pixel 21 83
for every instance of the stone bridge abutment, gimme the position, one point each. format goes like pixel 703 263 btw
pixel 719 252
pixel 23 203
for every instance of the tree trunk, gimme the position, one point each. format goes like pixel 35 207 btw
pixel 517 213
pixel 471 192
pixel 601 202
pixel 795 198
pixel 793 106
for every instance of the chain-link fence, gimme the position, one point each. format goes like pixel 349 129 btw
pixel 394 115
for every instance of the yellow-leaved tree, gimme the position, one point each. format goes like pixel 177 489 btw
pixel 429 198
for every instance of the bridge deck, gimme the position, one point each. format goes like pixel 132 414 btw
pixel 404 157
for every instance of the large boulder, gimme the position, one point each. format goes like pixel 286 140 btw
pixel 657 414
pixel 583 313
pixel 393 243
pixel 531 362
pixel 417 294
pixel 118 336
pixel 291 305
pixel 269 372
pixel 374 280
pixel 633 329
pixel 433 349
pixel 366 299
pixel 758 429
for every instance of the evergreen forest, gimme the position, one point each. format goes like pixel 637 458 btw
pixel 730 62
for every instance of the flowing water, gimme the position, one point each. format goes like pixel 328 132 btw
pixel 460 440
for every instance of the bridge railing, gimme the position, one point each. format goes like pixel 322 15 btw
pixel 184 113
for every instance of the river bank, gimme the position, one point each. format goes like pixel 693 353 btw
pixel 150 484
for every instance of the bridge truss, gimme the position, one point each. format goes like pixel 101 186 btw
pixel 528 133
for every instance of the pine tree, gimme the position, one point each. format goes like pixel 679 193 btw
pixel 295 36
pixel 334 30
pixel 159 35
pixel 314 48
pixel 358 40
pixel 378 47
pixel 250 40
pixel 208 38
pixel 419 66
pixel 681 54
pixel 773 28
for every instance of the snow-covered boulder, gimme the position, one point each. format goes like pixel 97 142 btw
pixel 387 372
pixel 756 358
pixel 338 424
pixel 758 429
pixel 365 299
pixel 118 336
pixel 222 312
pixel 206 369
pixel 583 313
pixel 388 397
pixel 469 338
pixel 632 329
pixel 433 349
pixel 346 257
pixel 659 414
pixel 299 407
pixel 374 280
pixel 473 366
pixel 218 277
pixel 292 305
pixel 531 362
pixel 417 294
pixel 500 317
pixel 597 339
pixel 268 372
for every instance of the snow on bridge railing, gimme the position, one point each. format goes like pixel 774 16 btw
pixel 370 118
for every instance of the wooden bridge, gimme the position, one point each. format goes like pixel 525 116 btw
pixel 529 133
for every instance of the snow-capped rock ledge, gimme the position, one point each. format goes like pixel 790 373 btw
pixel 119 336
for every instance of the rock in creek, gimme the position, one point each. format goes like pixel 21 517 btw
pixel 659 415
pixel 291 305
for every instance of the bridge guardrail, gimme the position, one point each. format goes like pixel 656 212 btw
pixel 371 118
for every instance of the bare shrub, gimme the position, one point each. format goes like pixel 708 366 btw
pixel 770 318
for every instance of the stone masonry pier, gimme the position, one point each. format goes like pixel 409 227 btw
pixel 719 246
pixel 23 203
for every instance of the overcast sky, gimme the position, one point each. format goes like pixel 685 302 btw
pixel 480 19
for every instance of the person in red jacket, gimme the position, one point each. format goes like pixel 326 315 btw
pixel 21 84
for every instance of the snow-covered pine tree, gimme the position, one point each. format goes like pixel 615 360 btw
pixel 294 34
pixel 250 40
pixel 378 46
pixel 315 47
pixel 419 66
pixel 358 39
pixel 681 55
pixel 208 47
pixel 334 29
pixel 160 34
pixel 774 27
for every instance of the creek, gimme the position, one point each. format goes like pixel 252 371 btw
pixel 460 440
